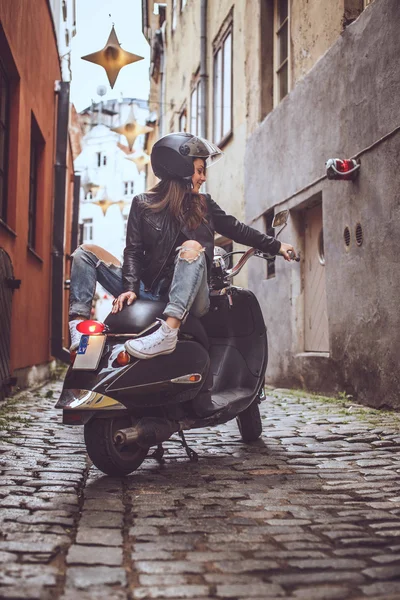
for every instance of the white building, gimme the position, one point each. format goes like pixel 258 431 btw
pixel 64 18
pixel 110 177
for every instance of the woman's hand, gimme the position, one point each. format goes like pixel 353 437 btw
pixel 285 249
pixel 118 303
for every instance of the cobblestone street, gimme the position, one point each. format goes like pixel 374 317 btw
pixel 311 511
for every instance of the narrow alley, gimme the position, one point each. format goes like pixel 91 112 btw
pixel 310 511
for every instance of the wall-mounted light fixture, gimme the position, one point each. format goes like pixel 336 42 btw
pixel 346 169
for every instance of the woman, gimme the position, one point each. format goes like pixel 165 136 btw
pixel 169 246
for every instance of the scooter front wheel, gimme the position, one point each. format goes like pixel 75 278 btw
pixel 249 422
pixel 105 454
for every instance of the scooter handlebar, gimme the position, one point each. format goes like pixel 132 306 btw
pixel 292 256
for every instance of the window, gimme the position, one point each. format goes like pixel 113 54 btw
pixel 174 16
pixel 36 151
pixel 87 231
pixel 183 120
pixel 281 51
pixel 101 159
pixel 129 187
pixel 269 230
pixel 266 29
pixel 222 109
pixel 4 136
pixel 195 104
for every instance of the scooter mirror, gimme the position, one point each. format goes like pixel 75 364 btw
pixel 281 218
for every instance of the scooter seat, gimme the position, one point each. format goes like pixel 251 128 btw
pixel 142 313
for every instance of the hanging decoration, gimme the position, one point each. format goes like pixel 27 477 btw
pixel 131 129
pixel 140 161
pixel 112 57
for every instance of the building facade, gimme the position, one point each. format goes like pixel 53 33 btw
pixel 30 136
pixel 332 319
pixel 198 85
pixel 282 86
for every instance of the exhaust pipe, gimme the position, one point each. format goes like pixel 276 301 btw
pixel 147 432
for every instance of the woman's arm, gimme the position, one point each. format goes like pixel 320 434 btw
pixel 230 227
pixel 133 253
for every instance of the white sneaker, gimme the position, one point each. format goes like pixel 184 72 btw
pixel 74 334
pixel 162 341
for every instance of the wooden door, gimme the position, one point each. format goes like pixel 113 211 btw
pixel 316 338
pixel 6 288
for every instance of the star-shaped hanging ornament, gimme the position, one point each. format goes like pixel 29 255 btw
pixel 140 161
pixel 112 57
pixel 131 129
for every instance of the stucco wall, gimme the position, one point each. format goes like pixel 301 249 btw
pixel 347 102
pixel 315 26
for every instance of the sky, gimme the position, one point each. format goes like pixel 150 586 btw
pixel 93 28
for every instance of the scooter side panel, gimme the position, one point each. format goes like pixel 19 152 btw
pixel 145 383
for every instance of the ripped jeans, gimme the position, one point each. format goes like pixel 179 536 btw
pixel 188 291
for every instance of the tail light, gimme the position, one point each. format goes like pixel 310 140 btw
pixel 72 356
pixel 90 327
pixel 123 358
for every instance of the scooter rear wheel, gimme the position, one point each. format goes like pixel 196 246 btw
pixel 249 422
pixel 102 450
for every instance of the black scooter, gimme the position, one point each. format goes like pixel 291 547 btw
pixel 215 374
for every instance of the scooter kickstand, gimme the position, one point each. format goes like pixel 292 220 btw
pixel 193 456
pixel 158 454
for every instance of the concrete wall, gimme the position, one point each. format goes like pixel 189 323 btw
pixel 346 103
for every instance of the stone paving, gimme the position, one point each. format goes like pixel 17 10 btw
pixel 311 511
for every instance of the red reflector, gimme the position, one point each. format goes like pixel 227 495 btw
pixel 72 418
pixel 90 327
pixel 123 358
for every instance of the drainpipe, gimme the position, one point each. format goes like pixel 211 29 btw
pixel 203 68
pixel 60 178
pixel 75 213
pixel 163 61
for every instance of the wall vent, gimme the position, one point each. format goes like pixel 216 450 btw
pixel 359 235
pixel 346 236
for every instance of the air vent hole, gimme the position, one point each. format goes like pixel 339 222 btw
pixel 359 235
pixel 346 236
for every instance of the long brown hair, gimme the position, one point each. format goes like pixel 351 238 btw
pixel 175 196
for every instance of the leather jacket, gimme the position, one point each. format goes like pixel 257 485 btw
pixel 152 236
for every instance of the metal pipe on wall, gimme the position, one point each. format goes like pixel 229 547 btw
pixel 75 213
pixel 59 202
pixel 203 68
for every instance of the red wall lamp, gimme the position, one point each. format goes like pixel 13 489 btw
pixel 346 169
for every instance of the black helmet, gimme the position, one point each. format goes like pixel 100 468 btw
pixel 172 156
